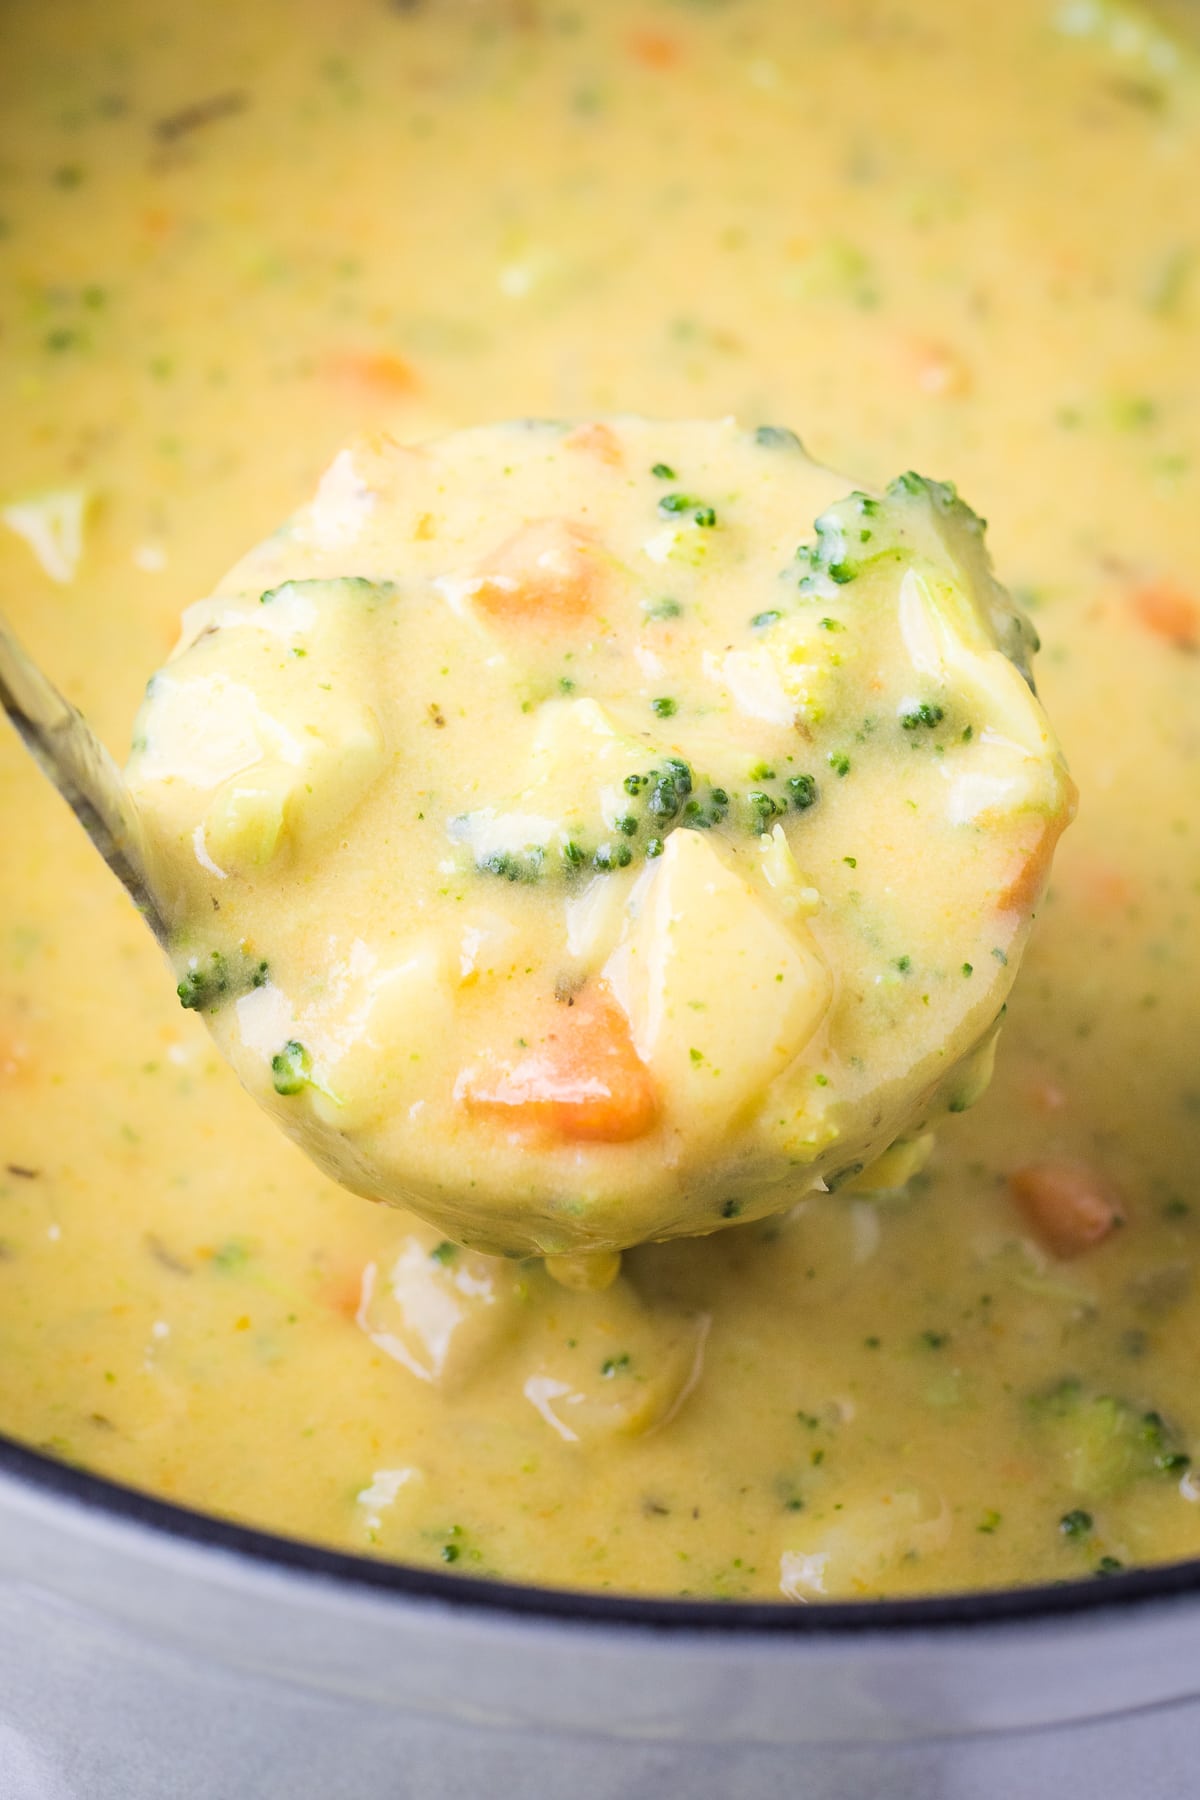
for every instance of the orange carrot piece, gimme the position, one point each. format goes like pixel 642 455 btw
pixel 545 571
pixel 600 439
pixel 1168 611
pixel 937 368
pixel 1020 888
pixel 378 371
pixel 1068 1205
pixel 655 49
pixel 14 1055
pixel 340 1291
pixel 1102 888
pixel 582 1081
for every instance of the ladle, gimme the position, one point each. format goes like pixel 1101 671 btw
pixel 69 754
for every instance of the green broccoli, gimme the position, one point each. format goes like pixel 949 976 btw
pixel 208 981
pixel 291 1068
pixel 1104 1442
pixel 660 800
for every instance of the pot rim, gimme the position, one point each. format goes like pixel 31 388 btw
pixel 270 1552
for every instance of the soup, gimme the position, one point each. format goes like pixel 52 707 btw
pixel 581 954
pixel 969 245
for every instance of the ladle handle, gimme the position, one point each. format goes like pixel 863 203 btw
pixel 69 754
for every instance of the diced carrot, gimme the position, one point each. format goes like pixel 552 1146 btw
pixel 937 368
pixel 1020 887
pixel 340 1291
pixel 1169 611
pixel 1101 888
pixel 546 571
pixel 14 1056
pixel 582 1080
pixel 1068 1205
pixel 378 371
pixel 601 440
pixel 654 49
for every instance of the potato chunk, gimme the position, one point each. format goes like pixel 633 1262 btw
pixel 440 1312
pixel 722 994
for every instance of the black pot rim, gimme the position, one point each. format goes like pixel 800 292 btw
pixel 486 1597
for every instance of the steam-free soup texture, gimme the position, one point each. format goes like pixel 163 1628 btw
pixel 964 244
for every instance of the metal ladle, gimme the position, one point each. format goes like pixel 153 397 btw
pixel 69 754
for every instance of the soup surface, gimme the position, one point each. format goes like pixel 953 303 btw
pixel 963 242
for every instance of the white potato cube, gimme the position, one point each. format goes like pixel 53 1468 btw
pixel 721 992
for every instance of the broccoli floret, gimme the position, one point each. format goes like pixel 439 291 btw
pixel 660 800
pixel 835 556
pixel 761 809
pixel 928 714
pixel 1105 1442
pixel 862 528
pixel 291 1068
pixel 204 984
pixel 668 789
pixel 208 981
pixel 943 495
pixel 778 437
pixel 523 865
pixel 802 790
pixel 612 856
pixel 673 506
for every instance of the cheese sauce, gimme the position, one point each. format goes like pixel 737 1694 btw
pixel 965 244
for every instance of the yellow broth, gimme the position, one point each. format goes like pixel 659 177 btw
pixel 967 242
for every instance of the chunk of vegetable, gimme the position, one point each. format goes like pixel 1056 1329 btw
pixel 52 524
pixel 277 764
pixel 439 1310
pixel 722 992
pixel 379 372
pixel 582 1079
pixel 1168 611
pixel 1069 1205
pixel 1022 885
pixel 1105 1442
pixel 547 572
pixel 626 1369
pixel 598 439
pixel 853 1552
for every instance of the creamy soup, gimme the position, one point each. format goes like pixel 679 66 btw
pixel 581 953
pixel 962 241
